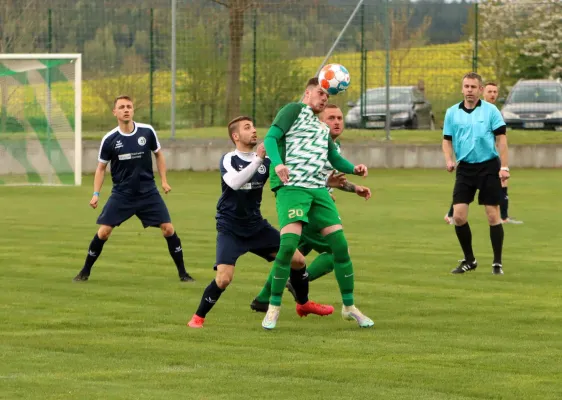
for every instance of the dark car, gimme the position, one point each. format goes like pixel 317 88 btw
pixel 534 104
pixel 408 109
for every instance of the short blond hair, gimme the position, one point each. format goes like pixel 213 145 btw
pixel 121 97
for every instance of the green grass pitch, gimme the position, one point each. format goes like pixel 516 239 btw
pixel 122 335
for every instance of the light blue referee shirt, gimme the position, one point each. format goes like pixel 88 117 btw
pixel 472 131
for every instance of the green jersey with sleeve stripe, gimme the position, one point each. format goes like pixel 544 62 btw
pixel 328 167
pixel 303 147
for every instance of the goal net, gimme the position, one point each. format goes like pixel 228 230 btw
pixel 40 119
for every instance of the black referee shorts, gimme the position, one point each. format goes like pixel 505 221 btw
pixel 484 177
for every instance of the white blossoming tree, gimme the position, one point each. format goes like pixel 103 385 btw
pixel 520 39
pixel 543 36
pixel 499 42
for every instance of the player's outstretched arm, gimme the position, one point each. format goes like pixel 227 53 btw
pixel 337 161
pixel 161 165
pixel 361 191
pixel 336 180
pixel 274 134
pixel 340 182
pixel 271 143
pixel 98 183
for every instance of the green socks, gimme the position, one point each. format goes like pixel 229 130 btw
pixel 343 268
pixel 265 294
pixel 323 264
pixel 282 266
pixel 339 262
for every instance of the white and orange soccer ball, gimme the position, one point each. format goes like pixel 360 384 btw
pixel 334 78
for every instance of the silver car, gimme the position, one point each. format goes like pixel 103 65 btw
pixel 534 104
pixel 408 109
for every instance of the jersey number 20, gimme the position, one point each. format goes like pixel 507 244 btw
pixel 295 213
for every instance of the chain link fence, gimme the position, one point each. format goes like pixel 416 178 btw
pixel 253 56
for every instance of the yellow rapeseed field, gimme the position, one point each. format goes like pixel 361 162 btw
pixel 439 66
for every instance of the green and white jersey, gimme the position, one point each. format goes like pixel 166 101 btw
pixel 303 147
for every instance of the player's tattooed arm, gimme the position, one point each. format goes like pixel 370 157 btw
pixel 347 187
pixel 361 191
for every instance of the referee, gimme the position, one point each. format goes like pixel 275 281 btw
pixel 473 129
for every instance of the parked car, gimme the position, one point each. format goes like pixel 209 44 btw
pixel 534 104
pixel 408 109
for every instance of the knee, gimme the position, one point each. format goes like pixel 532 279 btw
pixel 287 250
pixel 167 229
pixel 223 280
pixel 459 219
pixel 104 232
pixel 298 261
pixel 338 242
pixel 342 256
pixel 493 216
pixel 340 250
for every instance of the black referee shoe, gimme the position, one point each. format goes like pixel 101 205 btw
pixel 81 277
pixel 259 306
pixel 186 278
pixel 497 269
pixel 464 267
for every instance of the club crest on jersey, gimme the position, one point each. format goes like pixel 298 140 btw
pixel 142 141
pixel 262 169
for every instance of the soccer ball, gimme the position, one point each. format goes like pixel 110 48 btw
pixel 334 79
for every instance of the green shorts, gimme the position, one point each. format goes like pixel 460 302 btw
pixel 312 240
pixel 314 207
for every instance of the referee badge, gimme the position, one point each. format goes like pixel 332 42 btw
pixel 142 141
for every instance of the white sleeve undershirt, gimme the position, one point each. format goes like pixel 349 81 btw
pixel 237 179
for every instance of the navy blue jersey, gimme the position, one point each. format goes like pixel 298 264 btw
pixel 130 155
pixel 238 211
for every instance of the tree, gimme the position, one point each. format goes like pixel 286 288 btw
pixel 497 39
pixel 102 51
pixel 236 9
pixel 279 80
pixel 404 37
pixel 131 80
pixel 112 76
pixel 17 21
pixel 202 56
pixel 543 36
pixel 520 39
pixel 17 35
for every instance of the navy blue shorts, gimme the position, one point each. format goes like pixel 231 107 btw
pixel 264 243
pixel 149 208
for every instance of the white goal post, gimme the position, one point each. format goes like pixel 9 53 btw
pixel 41 119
